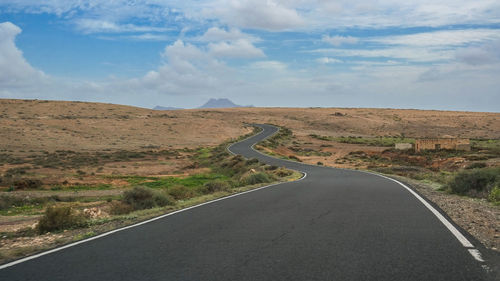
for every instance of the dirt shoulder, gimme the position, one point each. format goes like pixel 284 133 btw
pixel 476 216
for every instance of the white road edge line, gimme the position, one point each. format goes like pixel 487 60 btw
pixel 460 237
pixel 304 175
pixel 476 254
pixel 465 242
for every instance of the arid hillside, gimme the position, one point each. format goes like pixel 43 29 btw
pixel 80 126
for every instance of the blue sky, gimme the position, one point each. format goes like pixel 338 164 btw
pixel 401 54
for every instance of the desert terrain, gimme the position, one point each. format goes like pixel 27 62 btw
pixel 88 154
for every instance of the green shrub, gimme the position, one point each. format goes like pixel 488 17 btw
pixel 474 182
pixel 140 198
pixel 494 195
pixel 214 186
pixel 27 184
pixel 282 172
pixel 256 178
pixel 319 163
pixel 180 192
pixel 59 218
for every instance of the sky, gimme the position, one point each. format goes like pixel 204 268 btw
pixel 427 54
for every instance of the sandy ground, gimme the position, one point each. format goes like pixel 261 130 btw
pixel 31 125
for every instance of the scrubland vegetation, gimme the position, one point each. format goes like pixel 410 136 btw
pixel 213 173
pixel 474 173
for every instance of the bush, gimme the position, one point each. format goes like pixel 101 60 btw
pixel 319 163
pixel 59 218
pixel 252 161
pixel 474 182
pixel 120 208
pixel 180 192
pixel 140 198
pixel 214 186
pixel 476 165
pixel 282 172
pixel 256 178
pixel 494 195
pixel 27 184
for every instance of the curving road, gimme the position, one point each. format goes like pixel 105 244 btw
pixel 332 225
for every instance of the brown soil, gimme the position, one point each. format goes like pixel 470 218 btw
pixel 80 126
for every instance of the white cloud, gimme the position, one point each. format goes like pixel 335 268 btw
pixel 488 53
pixel 327 60
pixel 273 14
pixel 436 46
pixel 230 43
pixel 214 34
pixel 257 14
pixel 15 71
pixel 237 49
pixel 407 53
pixel 104 26
pixel 339 40
pixel 269 65
pixel 442 38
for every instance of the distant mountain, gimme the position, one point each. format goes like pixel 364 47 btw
pixel 211 103
pixel 221 103
pixel 166 108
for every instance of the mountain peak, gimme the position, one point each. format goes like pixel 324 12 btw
pixel 220 103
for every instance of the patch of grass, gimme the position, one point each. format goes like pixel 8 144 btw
pixel 375 141
pixel 492 145
pixel 284 136
pixel 78 187
pixel 13 205
pixel 84 235
pixel 308 151
pixel 190 181
pixel 257 178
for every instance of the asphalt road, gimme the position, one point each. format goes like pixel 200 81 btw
pixel 332 225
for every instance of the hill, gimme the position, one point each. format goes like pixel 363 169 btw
pixel 61 125
pixel 221 103
pixel 158 107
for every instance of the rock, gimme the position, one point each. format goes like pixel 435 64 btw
pixel 92 212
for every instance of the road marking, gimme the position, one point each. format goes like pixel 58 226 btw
pixel 460 237
pixel 465 242
pixel 476 254
pixel 138 224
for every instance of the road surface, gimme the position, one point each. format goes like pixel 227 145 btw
pixel 333 224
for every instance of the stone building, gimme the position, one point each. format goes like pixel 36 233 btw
pixel 436 144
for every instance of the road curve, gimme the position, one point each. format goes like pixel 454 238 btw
pixel 332 225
